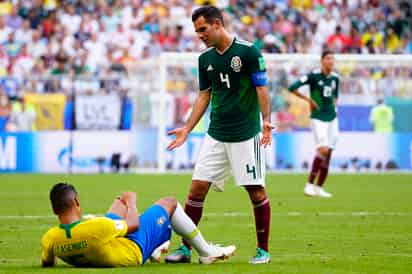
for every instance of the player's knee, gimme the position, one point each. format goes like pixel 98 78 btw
pixel 256 193
pixel 169 203
pixel 198 190
pixel 324 151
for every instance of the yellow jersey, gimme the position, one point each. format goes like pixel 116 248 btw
pixel 97 242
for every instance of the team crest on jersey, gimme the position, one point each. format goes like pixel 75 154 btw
pixel 320 83
pixel 236 63
pixel 161 221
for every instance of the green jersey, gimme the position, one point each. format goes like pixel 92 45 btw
pixel 323 90
pixel 235 111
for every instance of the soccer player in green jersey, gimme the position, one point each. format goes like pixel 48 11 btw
pixel 324 90
pixel 232 78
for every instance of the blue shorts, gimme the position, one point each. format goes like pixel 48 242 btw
pixel 154 230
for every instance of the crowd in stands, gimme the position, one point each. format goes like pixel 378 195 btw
pixel 89 36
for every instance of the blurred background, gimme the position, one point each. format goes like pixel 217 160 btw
pixel 93 86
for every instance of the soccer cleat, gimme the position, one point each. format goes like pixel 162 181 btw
pixel 180 255
pixel 322 193
pixel 261 257
pixel 309 190
pixel 161 249
pixel 217 253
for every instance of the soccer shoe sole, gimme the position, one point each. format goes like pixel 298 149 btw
pixel 212 259
pixel 182 260
pixel 266 261
pixel 309 194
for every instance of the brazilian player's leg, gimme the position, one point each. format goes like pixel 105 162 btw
pixel 154 228
pixel 194 203
pixel 184 227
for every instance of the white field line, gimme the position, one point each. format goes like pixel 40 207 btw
pixel 245 214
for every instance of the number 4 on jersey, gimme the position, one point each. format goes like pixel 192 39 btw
pixel 225 79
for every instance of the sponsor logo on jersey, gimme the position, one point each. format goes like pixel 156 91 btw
pixel 236 63
pixel 119 225
pixel 161 221
pixel 209 68
pixel 262 65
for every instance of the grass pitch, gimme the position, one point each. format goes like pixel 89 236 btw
pixel 365 228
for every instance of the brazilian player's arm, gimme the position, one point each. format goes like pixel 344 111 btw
pixel 47 257
pixel 132 215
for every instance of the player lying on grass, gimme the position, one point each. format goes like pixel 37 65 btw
pixel 122 237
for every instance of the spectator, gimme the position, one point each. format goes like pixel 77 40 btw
pixel 374 36
pixel 13 20
pixel 49 25
pixel 407 44
pixel 36 13
pixel 4 31
pixel 11 46
pixel 24 63
pixel 70 19
pixel 381 117
pixel 24 33
pixel 338 42
pixel 22 117
pixel 388 83
pixel 5 8
pixel 393 43
pixel 5 110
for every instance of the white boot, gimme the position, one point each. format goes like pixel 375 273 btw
pixel 217 253
pixel 310 190
pixel 322 193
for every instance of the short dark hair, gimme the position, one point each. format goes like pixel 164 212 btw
pixel 210 13
pixel 326 52
pixel 61 197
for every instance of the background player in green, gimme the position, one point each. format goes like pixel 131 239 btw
pixel 232 76
pixel 324 89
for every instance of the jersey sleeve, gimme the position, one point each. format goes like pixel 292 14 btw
pixel 106 228
pixel 256 67
pixel 255 60
pixel 204 82
pixel 304 80
pixel 47 255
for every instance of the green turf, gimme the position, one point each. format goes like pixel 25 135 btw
pixel 365 228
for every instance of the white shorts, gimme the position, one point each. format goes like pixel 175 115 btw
pixel 326 133
pixel 245 159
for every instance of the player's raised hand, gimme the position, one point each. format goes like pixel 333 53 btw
pixel 181 136
pixel 266 139
pixel 313 105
